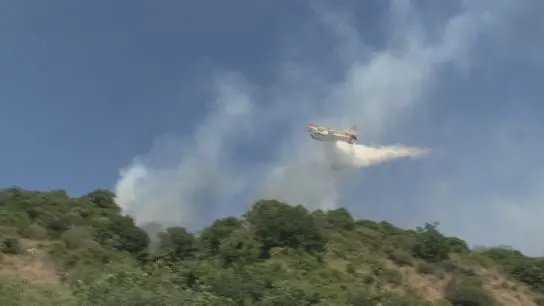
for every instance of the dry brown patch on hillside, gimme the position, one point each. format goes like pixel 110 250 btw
pixel 505 291
pixel 429 286
pixel 31 265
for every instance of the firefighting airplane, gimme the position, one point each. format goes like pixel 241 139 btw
pixel 322 133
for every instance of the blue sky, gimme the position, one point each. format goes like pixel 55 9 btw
pixel 207 103
pixel 86 85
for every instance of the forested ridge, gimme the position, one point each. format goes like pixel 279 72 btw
pixel 61 250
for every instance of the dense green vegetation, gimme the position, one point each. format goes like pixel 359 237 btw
pixel 58 250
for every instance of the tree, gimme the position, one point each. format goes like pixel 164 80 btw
pixel 211 237
pixel 122 233
pixel 179 241
pixel 239 247
pixel 104 199
pixel 278 224
pixel 457 245
pixel 340 218
pixel 430 244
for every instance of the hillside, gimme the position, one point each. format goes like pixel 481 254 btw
pixel 58 250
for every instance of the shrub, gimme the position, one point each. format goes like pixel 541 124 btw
pixel 430 244
pixel 539 300
pixel 442 302
pixel 34 231
pixel 425 268
pixel 14 292
pixel 11 245
pixel 466 292
pixel 401 258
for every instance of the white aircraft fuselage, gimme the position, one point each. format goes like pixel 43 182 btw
pixel 325 134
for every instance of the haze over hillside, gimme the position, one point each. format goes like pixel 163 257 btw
pixel 222 198
pixel 58 250
pixel 422 87
pixel 337 161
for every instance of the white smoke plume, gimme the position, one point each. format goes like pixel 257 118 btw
pixel 254 144
pixel 314 182
pixel 361 156
pixel 373 93
pixel 152 192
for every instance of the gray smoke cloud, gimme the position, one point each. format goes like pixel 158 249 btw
pixel 379 90
pixel 314 182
